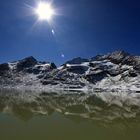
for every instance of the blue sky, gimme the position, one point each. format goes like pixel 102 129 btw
pixel 83 28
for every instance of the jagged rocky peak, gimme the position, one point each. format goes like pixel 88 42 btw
pixel 119 53
pixel 118 56
pixel 31 65
pixel 53 66
pixel 97 58
pixel 115 57
pixel 77 60
pixel 26 63
pixel 125 59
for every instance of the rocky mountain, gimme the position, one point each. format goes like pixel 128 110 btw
pixel 117 71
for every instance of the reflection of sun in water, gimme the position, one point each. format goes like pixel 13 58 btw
pixel 44 11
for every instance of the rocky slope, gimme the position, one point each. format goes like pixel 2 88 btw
pixel 117 71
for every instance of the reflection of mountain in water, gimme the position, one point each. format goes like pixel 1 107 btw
pixel 72 106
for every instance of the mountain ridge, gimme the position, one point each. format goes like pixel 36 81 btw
pixel 118 70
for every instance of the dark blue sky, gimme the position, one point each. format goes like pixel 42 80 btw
pixel 83 28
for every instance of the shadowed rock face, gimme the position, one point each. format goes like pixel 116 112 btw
pixel 95 77
pixel 117 70
pixel 77 69
pixel 53 66
pixel 26 63
pixel 4 68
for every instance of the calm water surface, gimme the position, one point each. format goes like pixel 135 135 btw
pixel 65 117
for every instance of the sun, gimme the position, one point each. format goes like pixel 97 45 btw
pixel 44 11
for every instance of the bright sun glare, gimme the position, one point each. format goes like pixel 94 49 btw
pixel 44 11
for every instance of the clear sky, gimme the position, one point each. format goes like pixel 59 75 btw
pixel 81 28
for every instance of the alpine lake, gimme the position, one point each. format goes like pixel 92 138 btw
pixel 49 116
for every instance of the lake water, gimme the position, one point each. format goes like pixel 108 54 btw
pixel 64 117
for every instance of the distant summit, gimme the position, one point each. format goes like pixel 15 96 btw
pixel 77 60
